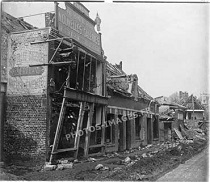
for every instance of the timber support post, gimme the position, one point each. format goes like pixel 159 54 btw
pixel 59 128
pixel 79 127
pixel 89 124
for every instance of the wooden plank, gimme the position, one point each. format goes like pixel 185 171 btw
pixel 90 73
pixel 81 96
pixel 83 80
pixel 116 129
pixel 124 131
pixel 64 150
pixel 58 129
pixel 103 129
pixel 98 145
pixel 77 68
pixel 178 134
pixel 56 51
pixel 89 123
pixel 79 127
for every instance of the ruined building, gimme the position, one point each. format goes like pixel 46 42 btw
pixel 133 110
pixel 62 95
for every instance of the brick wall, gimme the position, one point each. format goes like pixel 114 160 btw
pixel 26 97
pixel 25 127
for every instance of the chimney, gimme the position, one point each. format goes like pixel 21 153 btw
pixel 120 65
pixel 135 87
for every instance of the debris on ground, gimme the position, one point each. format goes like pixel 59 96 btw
pixel 60 167
pixel 91 159
pixel 68 166
pixel 116 154
pixel 127 160
pixel 144 155
pixel 105 168
pixel 143 163
pixel 99 166
pixel 130 164
pixel 49 167
pixel 76 161
pixel 137 176
pixel 63 161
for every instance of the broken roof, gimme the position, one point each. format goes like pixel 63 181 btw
pixel 193 103
pixel 166 102
pixel 12 24
pixel 115 70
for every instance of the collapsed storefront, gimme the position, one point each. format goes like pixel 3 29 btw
pixel 57 100
pixel 132 115
pixel 56 93
pixel 171 121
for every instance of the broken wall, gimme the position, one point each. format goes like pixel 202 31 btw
pixel 26 112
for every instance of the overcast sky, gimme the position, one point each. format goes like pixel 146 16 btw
pixel 166 45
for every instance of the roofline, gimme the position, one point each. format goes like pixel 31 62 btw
pixel 195 110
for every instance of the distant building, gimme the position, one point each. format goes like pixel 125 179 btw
pixel 205 99
pixel 195 112
pixel 171 118
pixel 183 95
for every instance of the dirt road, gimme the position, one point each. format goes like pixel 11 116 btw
pixel 195 169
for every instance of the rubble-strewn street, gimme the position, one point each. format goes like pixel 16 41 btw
pixel 112 92
pixel 147 163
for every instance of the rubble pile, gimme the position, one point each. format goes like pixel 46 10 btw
pixel 61 165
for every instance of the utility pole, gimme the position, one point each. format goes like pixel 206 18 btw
pixel 193 107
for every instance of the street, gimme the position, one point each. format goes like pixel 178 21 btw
pixel 195 169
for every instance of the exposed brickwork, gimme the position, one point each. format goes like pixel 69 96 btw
pixel 26 110
pixel 25 127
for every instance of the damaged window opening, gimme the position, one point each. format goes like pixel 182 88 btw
pixel 83 69
pixel 69 123
pixel 95 136
pixel 138 127
pixel 167 131
pixel 77 70
pixel 155 129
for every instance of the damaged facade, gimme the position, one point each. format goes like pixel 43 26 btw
pixel 135 111
pixel 64 99
pixel 9 134
pixel 171 119
pixel 195 112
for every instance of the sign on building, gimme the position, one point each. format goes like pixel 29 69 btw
pixel 74 23
pixel 22 79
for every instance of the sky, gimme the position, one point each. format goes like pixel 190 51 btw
pixel 165 44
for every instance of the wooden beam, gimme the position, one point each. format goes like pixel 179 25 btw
pixel 59 128
pixel 79 127
pixel 56 51
pixel 103 129
pixel 83 79
pixel 116 129
pixel 89 124
pixel 52 63
pixel 90 73
pixel 64 150
pixel 78 59
pixel 82 96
